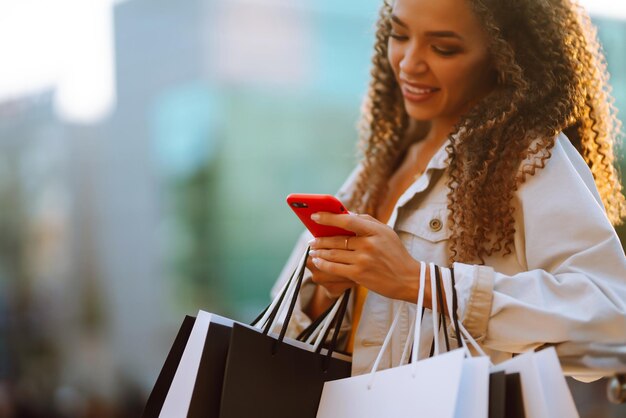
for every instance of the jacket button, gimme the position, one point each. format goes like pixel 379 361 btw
pixel 435 224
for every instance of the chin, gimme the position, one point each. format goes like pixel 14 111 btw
pixel 420 115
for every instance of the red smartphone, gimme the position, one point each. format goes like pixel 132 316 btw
pixel 304 205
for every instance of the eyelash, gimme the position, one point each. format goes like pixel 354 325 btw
pixel 442 52
pixel 398 37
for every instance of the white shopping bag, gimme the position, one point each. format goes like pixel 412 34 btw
pixel 447 385
pixel 473 395
pixel 178 400
pixel 430 387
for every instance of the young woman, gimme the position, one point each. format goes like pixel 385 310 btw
pixel 487 149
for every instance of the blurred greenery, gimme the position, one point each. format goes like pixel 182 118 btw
pixel 238 229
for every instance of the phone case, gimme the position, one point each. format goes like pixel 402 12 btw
pixel 304 205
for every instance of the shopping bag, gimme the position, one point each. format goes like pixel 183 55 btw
pixel 431 387
pixel 474 389
pixel 544 389
pixel 196 387
pixel 505 396
pixel 190 383
pixel 275 382
pixel 162 385
pixel 270 376
pixel 504 389
pixel 473 395
pixel 514 399
pixel 497 392
pixel 535 385
pixel 505 392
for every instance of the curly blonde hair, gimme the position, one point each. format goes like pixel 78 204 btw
pixel 551 77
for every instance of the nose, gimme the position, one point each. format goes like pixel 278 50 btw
pixel 412 63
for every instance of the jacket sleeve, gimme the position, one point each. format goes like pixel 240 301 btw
pixel 573 286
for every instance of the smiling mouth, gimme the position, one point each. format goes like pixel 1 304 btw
pixel 418 94
pixel 419 90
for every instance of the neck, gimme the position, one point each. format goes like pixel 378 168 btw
pixel 437 133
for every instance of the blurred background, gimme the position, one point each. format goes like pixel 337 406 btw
pixel 146 149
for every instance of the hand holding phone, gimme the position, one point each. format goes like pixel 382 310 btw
pixel 304 205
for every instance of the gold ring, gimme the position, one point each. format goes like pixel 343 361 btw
pixel 347 239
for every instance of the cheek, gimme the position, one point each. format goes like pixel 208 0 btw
pixel 394 56
pixel 480 82
pixel 451 74
pixel 464 78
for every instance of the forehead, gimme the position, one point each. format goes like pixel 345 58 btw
pixel 426 15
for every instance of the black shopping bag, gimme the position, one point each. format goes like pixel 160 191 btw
pixel 505 395
pixel 195 387
pixel 266 380
pixel 190 382
pixel 514 397
pixel 269 377
pixel 497 395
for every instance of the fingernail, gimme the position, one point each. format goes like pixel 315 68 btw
pixel 315 217
pixel 316 261
pixel 312 253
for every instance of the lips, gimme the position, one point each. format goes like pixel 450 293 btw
pixel 418 92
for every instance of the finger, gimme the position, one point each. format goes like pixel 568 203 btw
pixel 319 277
pixel 311 266
pixel 340 242
pixel 359 224
pixel 335 269
pixel 336 256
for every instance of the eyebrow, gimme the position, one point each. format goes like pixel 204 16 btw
pixel 443 34
pixel 398 21
pixel 430 34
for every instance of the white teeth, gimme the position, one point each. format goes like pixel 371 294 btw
pixel 416 90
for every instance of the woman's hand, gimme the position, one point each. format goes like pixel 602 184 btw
pixel 329 288
pixel 375 258
pixel 333 286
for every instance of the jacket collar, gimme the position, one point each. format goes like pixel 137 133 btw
pixel 439 161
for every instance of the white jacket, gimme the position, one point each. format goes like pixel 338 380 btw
pixel 564 281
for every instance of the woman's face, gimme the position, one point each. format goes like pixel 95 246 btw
pixel 438 53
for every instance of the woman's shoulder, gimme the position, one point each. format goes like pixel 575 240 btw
pixel 569 156
pixel 565 178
